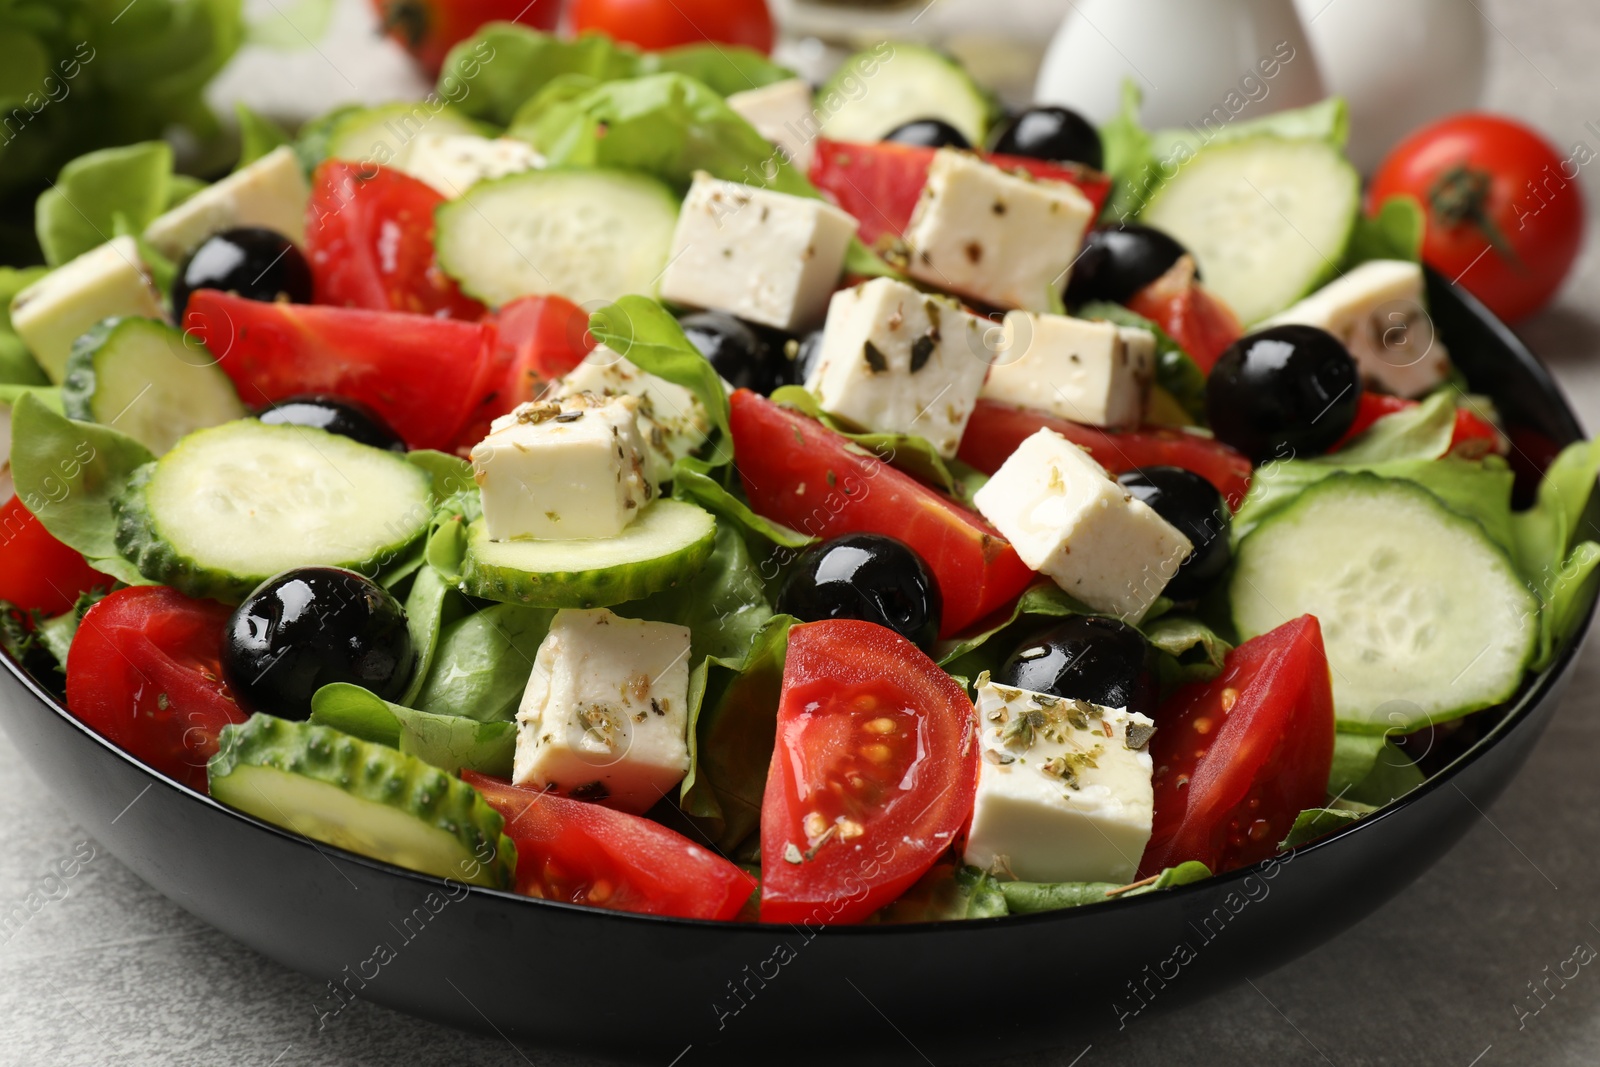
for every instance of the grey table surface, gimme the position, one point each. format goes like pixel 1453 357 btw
pixel 111 972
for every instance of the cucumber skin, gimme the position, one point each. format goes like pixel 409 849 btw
pixel 1337 482
pixel 376 774
pixel 139 540
pixel 77 386
pixel 993 109
pixel 580 589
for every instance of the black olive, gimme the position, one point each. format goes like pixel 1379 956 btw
pixel 807 349
pixel 347 418
pixel 1118 261
pixel 312 627
pixel 1052 133
pixel 1084 657
pixel 749 357
pixel 929 133
pixel 1194 506
pixel 256 263
pixel 1284 391
pixel 869 577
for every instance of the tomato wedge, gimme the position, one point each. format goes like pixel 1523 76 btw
pixel 37 572
pixel 996 430
pixel 873 775
pixel 418 372
pixel 1474 436
pixel 1238 757
pixel 880 183
pixel 585 854
pixel 1202 325
pixel 145 672
pixel 800 473
pixel 535 340
pixel 369 239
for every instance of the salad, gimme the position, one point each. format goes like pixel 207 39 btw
pixel 643 481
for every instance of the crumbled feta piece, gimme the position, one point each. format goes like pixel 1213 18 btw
pixel 783 113
pixel 1068 519
pixel 454 162
pixel 767 257
pixel 1064 791
pixel 102 283
pixel 272 193
pixel 898 361
pixel 995 237
pixel 1095 373
pixel 1377 311
pixel 672 420
pixel 560 470
pixel 606 712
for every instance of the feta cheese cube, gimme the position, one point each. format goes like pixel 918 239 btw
pixel 1068 519
pixel 896 360
pixel 767 257
pixel 272 192
pixel 995 237
pixel 57 309
pixel 1096 373
pixel 563 470
pixel 1064 788
pixel 1376 311
pixel 783 114
pixel 606 713
pixel 672 420
pixel 453 162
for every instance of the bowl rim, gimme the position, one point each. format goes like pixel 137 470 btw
pixel 1531 695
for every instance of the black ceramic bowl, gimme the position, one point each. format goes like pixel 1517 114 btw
pixel 553 975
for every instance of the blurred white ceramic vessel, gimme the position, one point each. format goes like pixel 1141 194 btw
pixel 1399 63
pixel 1188 57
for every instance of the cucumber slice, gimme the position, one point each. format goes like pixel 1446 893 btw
pixel 384 134
pixel 902 82
pixel 363 797
pixel 664 547
pixel 1424 617
pixel 587 235
pixel 140 376
pixel 233 505
pixel 1267 219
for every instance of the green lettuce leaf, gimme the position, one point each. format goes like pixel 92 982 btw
pixel 690 482
pixel 1129 157
pixel 1317 822
pixel 1395 232
pixel 17 365
pixel 1193 650
pixel 67 473
pixel 947 891
pixel 727 69
pixel 725 606
pixel 646 334
pixel 258 135
pixel 100 195
pixel 1369 769
pixel 425 607
pixel 501 67
pixel 1562 570
pixel 483 663
pixel 1024 898
pixel 1176 370
pixel 448 742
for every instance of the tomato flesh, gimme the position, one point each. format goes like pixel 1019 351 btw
pixel 418 372
pixel 1239 757
pixel 369 240
pixel 145 672
pixel 535 340
pixel 1473 438
pixel 996 430
pixel 657 24
pixel 1202 325
pixel 800 473
pixel 37 572
pixel 880 184
pixel 873 774
pixel 585 854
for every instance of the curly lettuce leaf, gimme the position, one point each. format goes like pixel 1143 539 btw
pixel 100 195
pixel 501 67
pixel 727 69
pixel 17 365
pixel 1561 569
